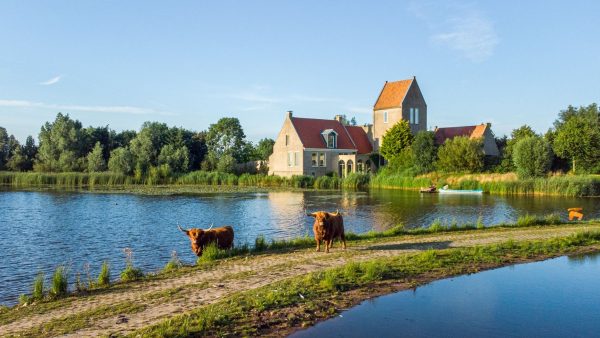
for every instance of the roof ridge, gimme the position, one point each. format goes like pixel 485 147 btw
pixel 350 136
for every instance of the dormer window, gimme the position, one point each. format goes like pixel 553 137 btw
pixel 330 137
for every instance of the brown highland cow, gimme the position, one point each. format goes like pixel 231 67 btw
pixel 200 238
pixel 327 227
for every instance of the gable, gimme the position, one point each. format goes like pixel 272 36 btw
pixel 392 94
pixel 361 139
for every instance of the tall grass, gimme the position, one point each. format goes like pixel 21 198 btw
pixel 60 282
pixel 69 179
pixel 398 181
pixel 38 287
pixel 104 276
pixel 577 186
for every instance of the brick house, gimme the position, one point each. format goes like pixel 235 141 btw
pixel 318 147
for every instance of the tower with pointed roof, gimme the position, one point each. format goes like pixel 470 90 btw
pixel 398 100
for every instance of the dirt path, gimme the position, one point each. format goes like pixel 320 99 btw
pixel 165 298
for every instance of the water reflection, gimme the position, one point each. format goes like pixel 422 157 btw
pixel 555 298
pixel 40 230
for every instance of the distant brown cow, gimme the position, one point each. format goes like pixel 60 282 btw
pixel 327 227
pixel 222 236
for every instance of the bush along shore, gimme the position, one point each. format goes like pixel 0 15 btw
pixel 505 184
pixel 284 304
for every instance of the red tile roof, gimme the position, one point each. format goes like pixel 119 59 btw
pixel 392 94
pixel 361 139
pixel 350 138
pixel 442 134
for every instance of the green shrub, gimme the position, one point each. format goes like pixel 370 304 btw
pixel 532 156
pixel 461 154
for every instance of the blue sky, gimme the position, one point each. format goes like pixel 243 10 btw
pixel 188 63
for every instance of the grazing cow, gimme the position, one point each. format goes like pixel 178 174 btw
pixel 327 227
pixel 222 236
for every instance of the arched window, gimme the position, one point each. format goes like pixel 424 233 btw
pixel 349 166
pixel 359 166
pixel 342 168
pixel 368 166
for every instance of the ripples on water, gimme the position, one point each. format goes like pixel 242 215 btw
pixel 41 230
pixel 554 298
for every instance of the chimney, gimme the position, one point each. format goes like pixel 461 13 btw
pixel 339 118
pixel 288 114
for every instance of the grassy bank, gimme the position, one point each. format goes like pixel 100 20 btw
pixel 291 298
pixel 501 184
pixel 303 300
pixel 196 178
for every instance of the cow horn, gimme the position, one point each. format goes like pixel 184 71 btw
pixel 180 229
pixel 211 225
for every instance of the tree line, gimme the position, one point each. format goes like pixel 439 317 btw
pixel 571 144
pixel 66 146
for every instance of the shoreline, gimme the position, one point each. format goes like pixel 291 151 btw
pixel 265 287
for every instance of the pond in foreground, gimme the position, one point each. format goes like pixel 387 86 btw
pixel 41 230
pixel 554 298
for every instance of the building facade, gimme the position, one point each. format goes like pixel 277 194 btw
pixel 320 147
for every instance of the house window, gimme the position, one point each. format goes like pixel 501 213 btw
pixel 416 115
pixel 330 137
pixel 287 139
pixel 385 117
pixel 290 159
pixel 412 116
pixel 321 159
pixel 296 159
pixel 331 140
pixel 313 159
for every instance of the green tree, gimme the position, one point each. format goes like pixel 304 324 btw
pixel 4 148
pixel 532 157
pixel 146 146
pixel 95 159
pixel 264 149
pixel 396 139
pixel 178 159
pixel 18 160
pixel 461 154
pixel 226 164
pixel 506 164
pixel 226 137
pixel 577 137
pixel 121 161
pixel 424 151
pixel 60 145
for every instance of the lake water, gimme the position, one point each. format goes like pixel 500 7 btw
pixel 41 230
pixel 554 298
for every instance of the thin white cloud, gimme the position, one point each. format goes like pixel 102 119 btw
pixel 82 108
pixel 51 81
pixel 459 27
pixel 473 36
pixel 359 110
